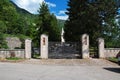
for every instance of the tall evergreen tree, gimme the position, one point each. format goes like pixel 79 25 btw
pixel 54 31
pixel 73 28
pixel 47 23
pixel 43 18
pixel 86 16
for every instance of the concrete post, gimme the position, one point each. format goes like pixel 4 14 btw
pixel 44 46
pixel 85 46
pixel 101 47
pixel 28 48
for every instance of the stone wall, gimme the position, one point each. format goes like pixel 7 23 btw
pixel 13 42
pixel 5 53
pixel 111 52
pixel 106 52
pixel 20 53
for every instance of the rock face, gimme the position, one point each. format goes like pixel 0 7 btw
pixel 13 42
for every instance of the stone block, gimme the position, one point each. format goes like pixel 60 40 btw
pixel 28 48
pixel 44 46
pixel 85 46
pixel 101 48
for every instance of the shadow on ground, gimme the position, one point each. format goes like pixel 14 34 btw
pixel 116 70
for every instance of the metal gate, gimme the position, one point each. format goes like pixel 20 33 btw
pixel 67 50
pixel 94 52
pixel 35 51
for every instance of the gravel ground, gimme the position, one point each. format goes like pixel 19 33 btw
pixel 60 69
pixel 71 62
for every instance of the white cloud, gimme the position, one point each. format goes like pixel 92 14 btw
pixel 62 17
pixel 53 12
pixel 30 5
pixel 51 4
pixel 62 12
pixel 33 5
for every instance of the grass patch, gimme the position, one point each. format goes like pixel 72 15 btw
pixel 36 55
pixel 113 59
pixel 17 35
pixel 14 58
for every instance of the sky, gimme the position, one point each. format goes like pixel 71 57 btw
pixel 58 7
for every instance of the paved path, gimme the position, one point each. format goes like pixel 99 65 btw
pixel 77 70
pixel 71 62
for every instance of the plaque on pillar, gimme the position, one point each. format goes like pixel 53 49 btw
pixel 28 48
pixel 44 46
pixel 85 46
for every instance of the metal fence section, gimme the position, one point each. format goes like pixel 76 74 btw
pixel 67 50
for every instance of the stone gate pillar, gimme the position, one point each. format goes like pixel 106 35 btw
pixel 101 48
pixel 85 46
pixel 44 46
pixel 28 48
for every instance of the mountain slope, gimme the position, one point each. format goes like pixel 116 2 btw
pixel 25 13
pixel 20 10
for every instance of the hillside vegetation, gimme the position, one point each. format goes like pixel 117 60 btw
pixel 15 21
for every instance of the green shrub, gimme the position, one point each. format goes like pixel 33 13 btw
pixel 13 58
pixel 113 59
pixel 3 43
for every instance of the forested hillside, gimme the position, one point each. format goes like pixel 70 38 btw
pixel 15 21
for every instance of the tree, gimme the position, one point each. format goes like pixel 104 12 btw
pixel 87 16
pixel 43 18
pixel 73 28
pixel 3 27
pixel 47 23
pixel 8 15
pixel 54 31
pixel 12 21
pixel 111 33
pixel 3 43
